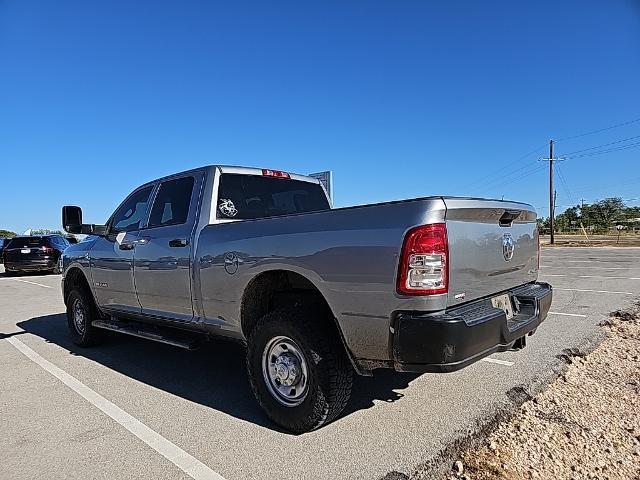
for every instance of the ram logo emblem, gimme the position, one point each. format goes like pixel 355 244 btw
pixel 508 246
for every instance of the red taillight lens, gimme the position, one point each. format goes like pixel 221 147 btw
pixel 538 251
pixel 424 261
pixel 47 249
pixel 274 173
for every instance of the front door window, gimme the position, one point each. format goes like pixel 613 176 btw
pixel 131 214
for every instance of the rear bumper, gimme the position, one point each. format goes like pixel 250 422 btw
pixel 465 334
pixel 31 265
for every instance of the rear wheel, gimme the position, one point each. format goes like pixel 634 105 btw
pixel 298 369
pixel 81 311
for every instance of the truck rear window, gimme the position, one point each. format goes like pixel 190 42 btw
pixel 252 196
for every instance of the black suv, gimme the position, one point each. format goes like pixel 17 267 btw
pixel 36 253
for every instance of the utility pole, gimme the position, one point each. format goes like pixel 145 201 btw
pixel 551 196
pixel 552 199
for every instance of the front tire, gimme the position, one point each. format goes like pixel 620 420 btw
pixel 81 311
pixel 298 369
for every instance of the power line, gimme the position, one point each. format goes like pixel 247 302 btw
pixel 610 150
pixel 602 145
pixel 516 175
pixel 564 183
pixel 506 175
pixel 632 181
pixel 492 185
pixel 600 130
pixel 509 170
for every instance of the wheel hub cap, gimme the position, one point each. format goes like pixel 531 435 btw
pixel 285 372
pixel 78 316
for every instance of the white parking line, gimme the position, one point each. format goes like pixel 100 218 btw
pixel 592 267
pixel 581 261
pixel 499 362
pixel 32 283
pixel 593 291
pixel 181 459
pixel 588 276
pixel 568 314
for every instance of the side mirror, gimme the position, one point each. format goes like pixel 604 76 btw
pixel 72 219
pixel 72 222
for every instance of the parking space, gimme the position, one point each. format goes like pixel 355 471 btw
pixel 136 409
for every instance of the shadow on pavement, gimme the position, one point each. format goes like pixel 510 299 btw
pixel 213 376
pixel 35 273
pixel 7 335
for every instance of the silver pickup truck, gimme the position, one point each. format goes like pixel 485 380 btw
pixel 424 285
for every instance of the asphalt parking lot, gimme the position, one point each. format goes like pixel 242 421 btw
pixel 107 412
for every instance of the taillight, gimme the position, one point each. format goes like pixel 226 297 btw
pixel 274 173
pixel 538 251
pixel 47 249
pixel 424 261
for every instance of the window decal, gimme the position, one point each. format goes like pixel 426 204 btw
pixel 227 208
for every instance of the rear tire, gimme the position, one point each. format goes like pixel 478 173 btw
pixel 81 311
pixel 298 343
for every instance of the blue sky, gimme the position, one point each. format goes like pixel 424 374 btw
pixel 399 99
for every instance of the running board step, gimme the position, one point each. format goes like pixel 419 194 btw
pixel 138 330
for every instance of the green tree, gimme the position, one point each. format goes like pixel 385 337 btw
pixel 600 216
pixel 606 212
pixel 568 220
pixel 7 234
pixel 543 225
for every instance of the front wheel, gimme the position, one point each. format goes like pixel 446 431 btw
pixel 298 369
pixel 81 311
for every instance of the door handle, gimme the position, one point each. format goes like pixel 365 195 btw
pixel 133 243
pixel 178 242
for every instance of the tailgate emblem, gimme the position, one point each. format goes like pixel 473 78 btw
pixel 507 246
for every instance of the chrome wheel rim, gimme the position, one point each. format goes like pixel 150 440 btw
pixel 79 316
pixel 285 371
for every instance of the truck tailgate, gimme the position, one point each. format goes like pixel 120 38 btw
pixel 493 246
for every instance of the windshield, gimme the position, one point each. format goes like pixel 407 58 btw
pixel 252 196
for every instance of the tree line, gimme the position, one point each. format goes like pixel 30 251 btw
pixel 599 217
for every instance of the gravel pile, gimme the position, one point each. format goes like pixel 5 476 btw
pixel 586 425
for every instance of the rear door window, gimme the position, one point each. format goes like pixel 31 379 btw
pixel 171 206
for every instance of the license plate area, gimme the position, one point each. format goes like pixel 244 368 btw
pixel 503 302
pixel 25 250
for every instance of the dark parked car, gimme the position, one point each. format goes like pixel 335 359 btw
pixel 36 253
